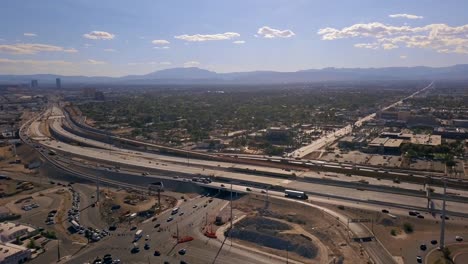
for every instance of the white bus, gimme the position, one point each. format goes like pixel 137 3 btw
pixel 138 235
pixel 175 211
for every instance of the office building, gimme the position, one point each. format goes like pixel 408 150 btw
pixel 58 83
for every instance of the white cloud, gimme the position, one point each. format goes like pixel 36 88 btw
pixel 164 47
pixel 160 42
pixel 268 32
pixel 149 62
pixel 191 64
pixel 99 35
pixel 367 45
pixel 35 62
pixel 239 42
pixel 439 37
pixel 407 16
pixel 86 45
pixel 403 57
pixel 200 37
pixel 389 46
pixel 95 62
pixel 33 48
pixel 30 34
pixel 110 50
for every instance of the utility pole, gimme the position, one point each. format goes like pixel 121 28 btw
pixel 58 250
pixel 159 200
pixel 230 229
pixel 97 187
pixel 442 224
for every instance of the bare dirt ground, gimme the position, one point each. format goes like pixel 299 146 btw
pixel 307 226
pixel 406 244
pixel 131 202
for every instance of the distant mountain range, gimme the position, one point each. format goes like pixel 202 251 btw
pixel 200 76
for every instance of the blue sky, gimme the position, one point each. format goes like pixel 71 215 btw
pixel 117 37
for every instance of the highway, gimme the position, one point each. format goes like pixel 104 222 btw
pixel 333 136
pixel 133 163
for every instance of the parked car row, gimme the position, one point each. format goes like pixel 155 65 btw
pixel 28 207
pixel 51 217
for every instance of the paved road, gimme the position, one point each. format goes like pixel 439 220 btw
pixel 200 250
pixel 333 136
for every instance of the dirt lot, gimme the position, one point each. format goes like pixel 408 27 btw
pixel 14 189
pixel 310 235
pixel 122 202
pixel 400 242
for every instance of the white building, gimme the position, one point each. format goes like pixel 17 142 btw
pixel 10 231
pixel 13 254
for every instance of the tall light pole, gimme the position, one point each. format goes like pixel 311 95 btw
pixel 442 224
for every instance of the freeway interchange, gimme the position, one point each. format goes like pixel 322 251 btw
pixel 53 130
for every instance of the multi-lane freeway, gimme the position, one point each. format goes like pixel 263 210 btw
pixel 94 156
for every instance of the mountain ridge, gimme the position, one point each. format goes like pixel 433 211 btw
pixel 198 75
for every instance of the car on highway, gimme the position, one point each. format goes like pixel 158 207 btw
pixel 248 189
pixel 459 238
pixel 263 191
pixel 385 211
pixel 413 213
pixel 182 251
pixel 446 217
pixel 222 185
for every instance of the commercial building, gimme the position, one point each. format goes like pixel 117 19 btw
pixel 351 142
pixel 58 83
pixel 393 115
pixel 10 231
pixel 428 140
pixel 460 123
pixel 13 254
pixel 452 132
pixel 385 145
pixel 34 84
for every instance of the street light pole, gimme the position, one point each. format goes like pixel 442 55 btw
pixel 442 225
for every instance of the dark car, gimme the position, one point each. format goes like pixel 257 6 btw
pixel 419 259
pixel 157 253
pixel 385 211
pixel 157 225
pixel 423 247
pixel 182 251
pixel 434 242
pixel 420 216
pixel 147 246
pixel 133 228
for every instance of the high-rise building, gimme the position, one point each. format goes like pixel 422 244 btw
pixel 34 84
pixel 58 83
